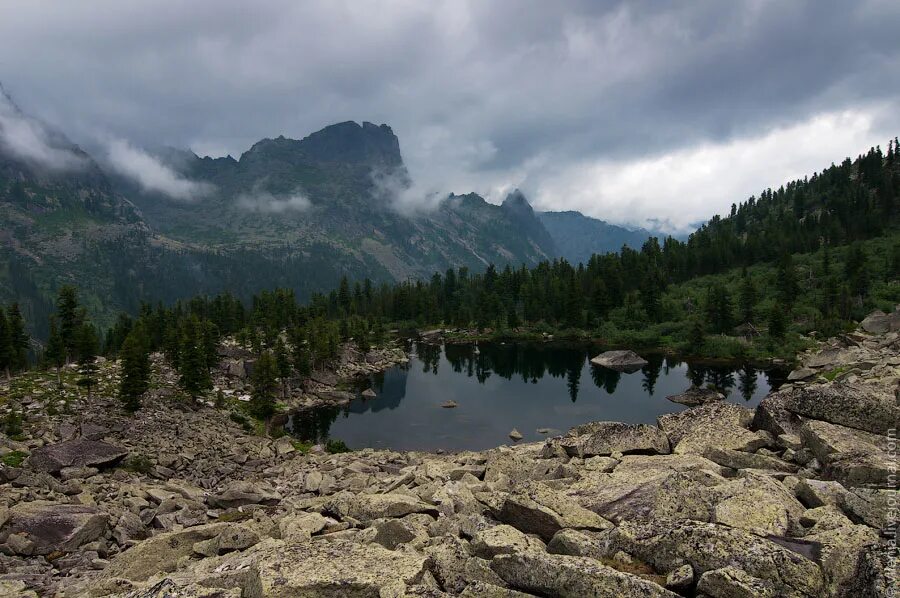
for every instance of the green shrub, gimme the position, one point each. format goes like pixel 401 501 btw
pixel 336 446
pixel 138 464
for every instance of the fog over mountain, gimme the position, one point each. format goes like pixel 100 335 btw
pixel 630 112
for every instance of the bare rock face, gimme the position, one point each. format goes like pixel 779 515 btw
pixel 75 453
pixel 42 527
pixel 621 361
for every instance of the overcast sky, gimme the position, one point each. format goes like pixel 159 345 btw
pixel 633 112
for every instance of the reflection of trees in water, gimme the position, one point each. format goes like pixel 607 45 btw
pixel 573 379
pixel 747 382
pixel 718 377
pixel 651 373
pixel 430 356
pixel 605 378
pixel 312 425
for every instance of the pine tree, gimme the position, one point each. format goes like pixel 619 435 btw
pixel 282 365
pixel 67 317
pixel 718 308
pixel 786 280
pixel 86 347
pixel 777 323
pixel 747 298
pixel 5 345
pixel 18 338
pixel 135 375
pixel 55 352
pixel 264 381
pixel 192 360
pixel 696 336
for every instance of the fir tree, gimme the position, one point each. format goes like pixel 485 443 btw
pixel 786 280
pixel 777 323
pixel 135 375
pixel 282 365
pixel 265 385
pixel 696 336
pixel 55 352
pixel 5 345
pixel 192 362
pixel 747 298
pixel 86 347
pixel 18 338
pixel 67 318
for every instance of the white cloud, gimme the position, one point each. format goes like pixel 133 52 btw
pixel 151 174
pixel 266 202
pixel 677 189
pixel 30 140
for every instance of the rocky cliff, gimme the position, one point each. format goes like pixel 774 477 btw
pixel 797 498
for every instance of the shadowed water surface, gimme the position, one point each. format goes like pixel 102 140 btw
pixel 499 387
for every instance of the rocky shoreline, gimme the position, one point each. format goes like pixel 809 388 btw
pixel 797 498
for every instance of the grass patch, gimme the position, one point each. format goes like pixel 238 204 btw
pixel 301 446
pixel 13 459
pixel 138 464
pixel 336 446
pixel 830 375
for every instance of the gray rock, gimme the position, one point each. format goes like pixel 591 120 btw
pixel 731 582
pixel 571 577
pixel 695 396
pixel 744 460
pixel 879 322
pixel 853 457
pixel 241 493
pixel 623 361
pixel 681 578
pixel 708 546
pixel 503 539
pixel 52 526
pixel 606 438
pixel 536 509
pixel 75 453
pixel 368 507
pixel 853 405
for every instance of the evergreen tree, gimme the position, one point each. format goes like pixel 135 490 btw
pixel 135 374
pixel 18 338
pixel 86 346
pixel 718 308
pixel 282 365
pixel 747 298
pixel 67 318
pixel 786 280
pixel 55 352
pixel 192 360
pixel 5 345
pixel 264 381
pixel 696 336
pixel 777 323
pixel 856 271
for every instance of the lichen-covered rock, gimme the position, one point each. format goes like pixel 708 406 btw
pixel 851 456
pixel 709 546
pixel 718 425
pixel 696 395
pixel 759 504
pixel 503 539
pixel 571 577
pixel 606 438
pixel 240 493
pixel 536 509
pixel 731 582
pixel 74 453
pixel 621 360
pixel 335 568
pixel 455 567
pixel 47 527
pixel 861 406
pixel 368 507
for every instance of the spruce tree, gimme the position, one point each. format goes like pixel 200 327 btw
pixel 747 298
pixel 18 338
pixel 86 347
pixel 282 365
pixel 777 323
pixel 135 374
pixel 265 385
pixel 192 359
pixel 786 281
pixel 696 336
pixel 67 317
pixel 5 345
pixel 55 352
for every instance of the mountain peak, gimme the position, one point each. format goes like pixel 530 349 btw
pixel 518 204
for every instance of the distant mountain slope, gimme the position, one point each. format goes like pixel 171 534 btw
pixel 290 213
pixel 577 236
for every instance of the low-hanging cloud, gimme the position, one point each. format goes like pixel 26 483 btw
pixel 151 174
pixel 265 202
pixel 30 140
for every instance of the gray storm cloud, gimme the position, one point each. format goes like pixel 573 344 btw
pixel 573 102
pixel 151 174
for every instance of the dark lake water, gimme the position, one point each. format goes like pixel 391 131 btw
pixel 504 386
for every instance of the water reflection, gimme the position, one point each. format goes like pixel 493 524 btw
pixel 499 386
